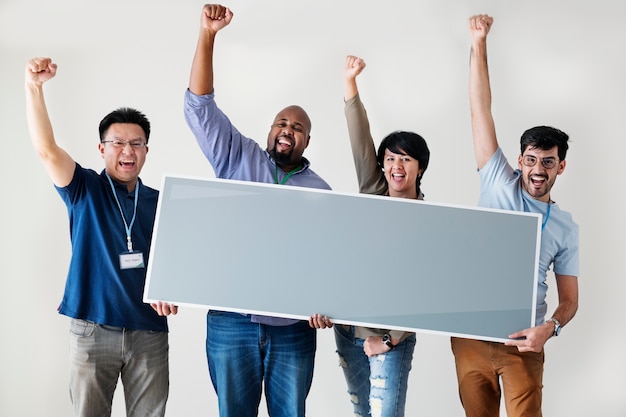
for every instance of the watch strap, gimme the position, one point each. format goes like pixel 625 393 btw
pixel 557 326
pixel 388 342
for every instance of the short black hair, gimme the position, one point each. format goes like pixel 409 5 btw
pixel 125 115
pixel 545 138
pixel 410 143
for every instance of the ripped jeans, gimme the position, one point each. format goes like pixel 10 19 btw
pixel 377 386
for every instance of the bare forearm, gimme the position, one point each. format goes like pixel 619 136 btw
pixel 565 312
pixel 201 78
pixel 483 127
pixel 58 163
pixel 480 89
pixel 567 286
pixel 39 125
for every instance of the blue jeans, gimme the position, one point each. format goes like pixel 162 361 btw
pixel 100 354
pixel 377 385
pixel 243 356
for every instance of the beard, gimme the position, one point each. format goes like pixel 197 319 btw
pixel 538 192
pixel 281 158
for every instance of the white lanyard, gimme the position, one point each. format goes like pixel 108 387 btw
pixel 128 227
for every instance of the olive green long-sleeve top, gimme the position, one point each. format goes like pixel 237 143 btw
pixel 371 180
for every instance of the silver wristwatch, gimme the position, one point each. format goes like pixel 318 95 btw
pixel 557 326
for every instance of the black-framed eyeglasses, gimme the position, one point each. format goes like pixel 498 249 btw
pixel 135 144
pixel 548 163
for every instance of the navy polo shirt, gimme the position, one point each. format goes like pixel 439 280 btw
pixel 96 288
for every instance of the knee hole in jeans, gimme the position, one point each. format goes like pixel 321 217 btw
pixel 342 360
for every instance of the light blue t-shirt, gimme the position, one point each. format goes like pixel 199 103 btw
pixel 500 187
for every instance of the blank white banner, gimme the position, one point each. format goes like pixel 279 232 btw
pixel 366 260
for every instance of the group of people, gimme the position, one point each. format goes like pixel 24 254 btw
pixel 114 334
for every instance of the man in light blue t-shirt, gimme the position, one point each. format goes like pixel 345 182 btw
pixel 519 362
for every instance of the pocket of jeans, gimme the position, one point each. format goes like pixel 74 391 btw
pixel 82 328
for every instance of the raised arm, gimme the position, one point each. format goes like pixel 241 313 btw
pixel 483 127
pixel 371 178
pixel 354 66
pixel 214 18
pixel 58 163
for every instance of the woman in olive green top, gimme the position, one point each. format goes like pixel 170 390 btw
pixel 376 362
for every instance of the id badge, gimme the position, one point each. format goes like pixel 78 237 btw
pixel 131 260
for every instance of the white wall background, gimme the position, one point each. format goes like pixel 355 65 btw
pixel 560 63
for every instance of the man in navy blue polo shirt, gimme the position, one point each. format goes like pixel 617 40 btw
pixel 111 215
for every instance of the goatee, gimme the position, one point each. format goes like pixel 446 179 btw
pixel 279 157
